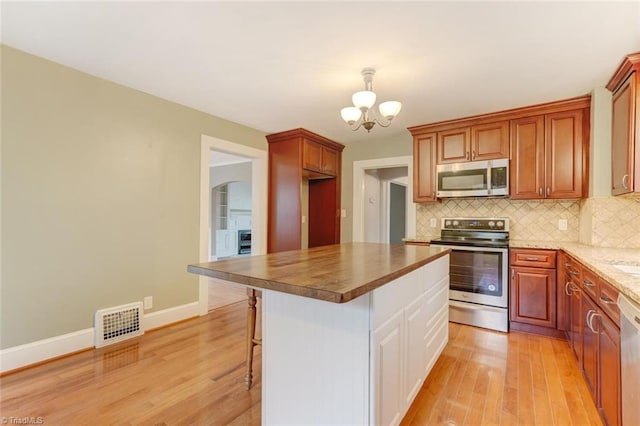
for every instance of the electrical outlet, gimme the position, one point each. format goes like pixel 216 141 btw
pixel 343 213
pixel 148 302
pixel 562 224
pixel 433 223
pixel 304 219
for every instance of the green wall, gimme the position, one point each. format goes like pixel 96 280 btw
pixel 100 194
pixel 368 148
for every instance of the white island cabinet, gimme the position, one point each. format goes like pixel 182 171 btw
pixel 349 331
pixel 355 363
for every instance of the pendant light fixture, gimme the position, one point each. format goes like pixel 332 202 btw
pixel 362 113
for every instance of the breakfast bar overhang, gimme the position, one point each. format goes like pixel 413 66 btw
pixel 350 331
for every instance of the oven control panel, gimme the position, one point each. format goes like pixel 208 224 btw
pixel 476 224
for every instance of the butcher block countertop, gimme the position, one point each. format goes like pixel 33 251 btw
pixel 335 273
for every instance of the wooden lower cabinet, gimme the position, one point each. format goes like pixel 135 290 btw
pixel 593 332
pixel 589 343
pixel 533 291
pixel 609 402
pixel 575 302
pixel 533 296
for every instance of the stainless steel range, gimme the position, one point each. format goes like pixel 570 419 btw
pixel 479 263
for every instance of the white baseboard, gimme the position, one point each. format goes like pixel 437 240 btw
pixel 170 315
pixel 42 350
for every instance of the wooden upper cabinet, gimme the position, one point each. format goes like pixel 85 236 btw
pixel 625 130
pixel 565 166
pixel 485 141
pixel 490 141
pixel 424 166
pixel 527 157
pixel 546 145
pixel 453 145
pixel 547 156
pixel 319 158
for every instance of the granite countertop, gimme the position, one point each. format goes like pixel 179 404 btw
pixel 600 260
pixel 336 273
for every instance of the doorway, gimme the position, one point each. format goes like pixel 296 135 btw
pixel 383 209
pixel 397 222
pixel 246 213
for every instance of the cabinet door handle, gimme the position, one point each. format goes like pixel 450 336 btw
pixel 607 301
pixel 575 289
pixel 513 274
pixel 574 272
pixel 590 316
pixel 473 154
pixel 540 191
pixel 434 195
pixel 624 181
pixel 567 288
pixel 588 319
pixel 548 191
pixel 467 155
pixel 588 283
pixel 532 259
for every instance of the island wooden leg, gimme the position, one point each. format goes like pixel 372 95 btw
pixel 251 332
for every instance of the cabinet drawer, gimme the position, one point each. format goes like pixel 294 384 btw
pixel 589 283
pixel 533 258
pixel 608 301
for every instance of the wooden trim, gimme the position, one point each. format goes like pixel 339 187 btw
pixel 509 114
pixel 629 64
pixel 303 133
pixel 536 329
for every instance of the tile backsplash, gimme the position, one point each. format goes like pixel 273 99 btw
pixel 601 222
pixel 530 219
pixel 610 222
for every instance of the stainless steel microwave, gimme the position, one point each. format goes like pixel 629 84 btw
pixel 473 179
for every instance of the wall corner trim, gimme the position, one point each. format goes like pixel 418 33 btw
pixel 21 356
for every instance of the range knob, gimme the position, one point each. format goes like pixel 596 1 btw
pixel 456 223
pixel 447 223
pixel 500 224
pixel 492 224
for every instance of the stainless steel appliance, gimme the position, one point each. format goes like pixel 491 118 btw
pixel 473 179
pixel 244 241
pixel 630 359
pixel 478 276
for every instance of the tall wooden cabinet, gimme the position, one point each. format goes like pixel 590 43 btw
pixel 304 168
pixel 625 131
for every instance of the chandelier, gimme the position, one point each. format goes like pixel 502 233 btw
pixel 362 114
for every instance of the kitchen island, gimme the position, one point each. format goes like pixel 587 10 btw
pixel 350 331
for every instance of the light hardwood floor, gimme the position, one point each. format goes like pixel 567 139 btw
pixel 223 293
pixel 193 373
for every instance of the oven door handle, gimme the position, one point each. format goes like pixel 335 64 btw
pixel 468 306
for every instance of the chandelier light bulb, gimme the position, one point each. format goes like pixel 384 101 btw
pixel 364 99
pixel 350 114
pixel 390 109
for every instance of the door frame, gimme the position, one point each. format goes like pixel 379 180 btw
pixel 359 169
pixel 259 189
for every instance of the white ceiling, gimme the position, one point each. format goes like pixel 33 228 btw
pixel 276 66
